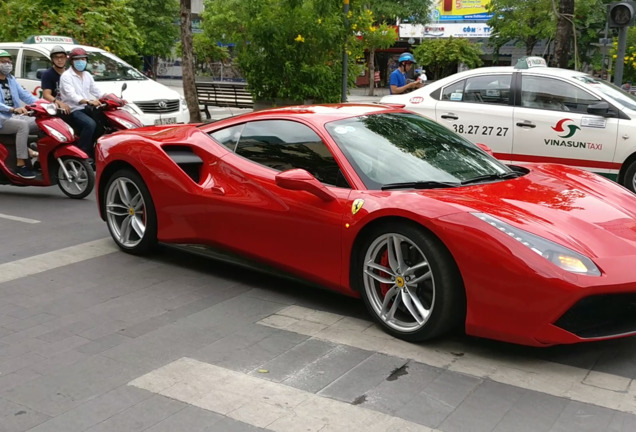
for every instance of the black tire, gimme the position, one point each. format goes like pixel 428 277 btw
pixel 82 177
pixel 630 177
pixel 130 212
pixel 399 295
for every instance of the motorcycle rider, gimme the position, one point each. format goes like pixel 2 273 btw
pixel 398 79
pixel 51 79
pixel 11 95
pixel 78 90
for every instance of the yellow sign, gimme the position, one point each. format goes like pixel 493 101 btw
pixel 357 205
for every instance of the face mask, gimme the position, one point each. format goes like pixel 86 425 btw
pixel 6 68
pixel 80 65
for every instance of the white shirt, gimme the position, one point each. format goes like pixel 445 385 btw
pixel 74 88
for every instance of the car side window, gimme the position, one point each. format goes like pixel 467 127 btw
pixel 229 136
pixel 486 89
pixel 283 145
pixel 32 61
pixel 554 94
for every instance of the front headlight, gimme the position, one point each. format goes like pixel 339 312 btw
pixel 55 134
pixel 131 108
pixel 184 103
pixel 563 257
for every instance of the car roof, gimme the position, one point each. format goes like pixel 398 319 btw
pixel 65 42
pixel 546 71
pixel 315 114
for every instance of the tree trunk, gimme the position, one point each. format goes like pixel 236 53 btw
pixel 187 62
pixel 371 64
pixel 564 33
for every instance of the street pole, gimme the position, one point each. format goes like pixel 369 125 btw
pixel 620 55
pixel 605 49
pixel 345 56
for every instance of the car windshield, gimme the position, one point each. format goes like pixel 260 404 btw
pixel 617 94
pixel 390 149
pixel 106 67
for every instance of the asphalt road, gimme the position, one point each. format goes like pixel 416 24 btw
pixel 93 339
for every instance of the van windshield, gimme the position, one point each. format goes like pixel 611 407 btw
pixel 107 67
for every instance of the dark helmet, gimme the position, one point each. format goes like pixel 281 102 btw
pixel 56 50
pixel 77 53
pixel 407 57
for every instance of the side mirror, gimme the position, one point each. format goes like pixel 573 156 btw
pixel 600 109
pixel 485 148
pixel 299 179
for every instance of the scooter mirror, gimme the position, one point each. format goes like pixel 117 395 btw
pixel 124 86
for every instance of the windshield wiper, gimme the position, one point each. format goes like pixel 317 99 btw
pixel 487 177
pixel 429 184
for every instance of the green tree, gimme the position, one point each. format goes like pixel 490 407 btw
pixel 373 37
pixel 415 11
pixel 106 24
pixel 156 23
pixel 525 22
pixel 441 57
pixel 287 49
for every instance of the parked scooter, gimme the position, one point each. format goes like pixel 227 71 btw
pixel 59 160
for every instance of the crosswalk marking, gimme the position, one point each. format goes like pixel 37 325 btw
pixel 596 388
pixel 54 259
pixel 18 219
pixel 263 403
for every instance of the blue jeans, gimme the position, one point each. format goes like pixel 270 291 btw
pixel 87 126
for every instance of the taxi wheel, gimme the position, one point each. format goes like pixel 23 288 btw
pixel 630 177
pixel 409 282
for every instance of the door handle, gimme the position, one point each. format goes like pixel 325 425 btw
pixel 527 124
pixel 449 116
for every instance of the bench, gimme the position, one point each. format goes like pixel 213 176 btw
pixel 223 94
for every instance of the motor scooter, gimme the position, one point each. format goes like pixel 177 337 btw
pixel 59 161
pixel 115 116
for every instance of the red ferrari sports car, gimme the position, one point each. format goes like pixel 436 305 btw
pixel 377 202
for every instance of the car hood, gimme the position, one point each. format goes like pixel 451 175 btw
pixel 139 90
pixel 574 208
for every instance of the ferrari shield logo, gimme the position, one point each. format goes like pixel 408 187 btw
pixel 357 205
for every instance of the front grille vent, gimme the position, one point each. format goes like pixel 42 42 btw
pixel 161 106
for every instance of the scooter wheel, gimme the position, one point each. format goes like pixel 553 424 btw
pixel 75 177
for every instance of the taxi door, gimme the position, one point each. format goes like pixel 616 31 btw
pixel 479 108
pixel 552 124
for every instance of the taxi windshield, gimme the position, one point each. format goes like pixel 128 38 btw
pixel 618 95
pixel 401 148
pixel 106 67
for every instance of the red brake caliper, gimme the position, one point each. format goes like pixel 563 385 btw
pixel 384 261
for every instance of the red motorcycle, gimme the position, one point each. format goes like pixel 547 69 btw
pixel 59 160
pixel 117 118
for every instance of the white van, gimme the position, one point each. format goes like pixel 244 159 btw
pixel 151 102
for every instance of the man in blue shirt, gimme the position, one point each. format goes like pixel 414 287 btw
pixel 11 96
pixel 397 79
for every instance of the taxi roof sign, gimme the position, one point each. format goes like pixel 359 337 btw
pixel 530 62
pixel 50 39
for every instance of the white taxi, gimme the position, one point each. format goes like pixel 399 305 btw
pixel 152 102
pixel 534 113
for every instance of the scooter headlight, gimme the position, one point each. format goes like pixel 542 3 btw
pixel 125 123
pixel 55 134
pixel 563 257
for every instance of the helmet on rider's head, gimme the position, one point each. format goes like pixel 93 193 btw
pixel 56 50
pixel 4 53
pixel 406 57
pixel 77 53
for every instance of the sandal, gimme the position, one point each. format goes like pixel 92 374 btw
pixel 33 154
